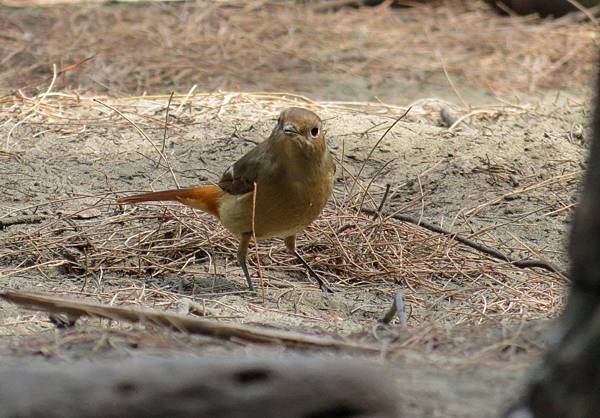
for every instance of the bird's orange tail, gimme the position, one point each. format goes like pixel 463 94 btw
pixel 206 198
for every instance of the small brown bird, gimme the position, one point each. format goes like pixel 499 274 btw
pixel 292 173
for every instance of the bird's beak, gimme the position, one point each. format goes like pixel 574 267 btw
pixel 289 128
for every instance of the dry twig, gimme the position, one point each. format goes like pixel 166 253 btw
pixel 20 220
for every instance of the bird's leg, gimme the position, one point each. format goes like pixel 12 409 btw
pixel 290 243
pixel 241 256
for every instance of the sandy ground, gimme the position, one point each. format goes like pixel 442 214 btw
pixel 506 175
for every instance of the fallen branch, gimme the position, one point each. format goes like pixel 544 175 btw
pixel 177 322
pixel 546 265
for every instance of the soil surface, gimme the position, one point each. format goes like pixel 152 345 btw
pixel 503 175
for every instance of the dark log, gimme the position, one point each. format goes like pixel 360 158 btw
pixel 543 7
pixel 567 384
pixel 193 387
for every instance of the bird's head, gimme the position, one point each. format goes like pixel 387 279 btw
pixel 301 126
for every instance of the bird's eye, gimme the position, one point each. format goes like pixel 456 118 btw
pixel 314 132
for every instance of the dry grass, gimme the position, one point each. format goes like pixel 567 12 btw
pixel 446 282
pixel 284 46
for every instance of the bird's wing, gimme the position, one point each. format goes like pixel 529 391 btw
pixel 240 177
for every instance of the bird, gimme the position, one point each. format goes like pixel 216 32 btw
pixel 275 190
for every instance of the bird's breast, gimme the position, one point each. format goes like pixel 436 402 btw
pixel 282 207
